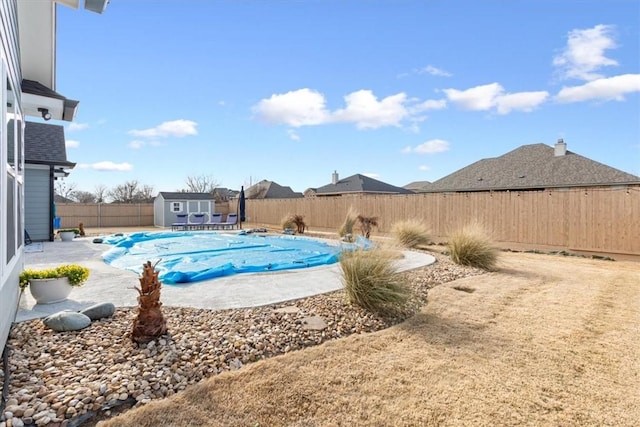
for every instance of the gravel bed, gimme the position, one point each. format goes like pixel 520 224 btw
pixel 68 379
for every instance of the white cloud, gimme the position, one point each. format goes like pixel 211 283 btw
pixel 107 166
pixel 424 168
pixel 296 108
pixel 606 89
pixel 429 147
pixel 364 109
pixel 430 69
pixel 70 143
pixel 136 144
pixel 77 126
pixel 479 98
pixel 293 134
pixel 431 104
pixel 584 53
pixel 487 97
pixel 521 101
pixel 176 128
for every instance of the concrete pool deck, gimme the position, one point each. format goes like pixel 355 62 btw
pixel 110 284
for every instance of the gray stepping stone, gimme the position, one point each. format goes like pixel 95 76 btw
pixel 67 321
pixel 100 310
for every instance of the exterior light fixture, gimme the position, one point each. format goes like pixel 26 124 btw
pixel 45 113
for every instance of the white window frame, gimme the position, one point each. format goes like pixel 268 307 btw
pixel 176 207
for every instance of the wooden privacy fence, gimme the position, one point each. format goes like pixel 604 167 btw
pixel 594 219
pixel 105 214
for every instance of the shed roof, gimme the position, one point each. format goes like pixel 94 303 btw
pixel 532 166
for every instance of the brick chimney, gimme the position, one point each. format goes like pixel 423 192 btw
pixel 560 149
pixel 334 178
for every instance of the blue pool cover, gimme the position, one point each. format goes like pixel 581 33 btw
pixel 194 256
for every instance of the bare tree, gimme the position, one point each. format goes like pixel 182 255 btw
pixel 100 193
pixel 65 189
pixel 125 193
pixel 201 184
pixel 84 197
pixel 145 194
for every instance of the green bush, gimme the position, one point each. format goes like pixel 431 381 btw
pixel 371 281
pixel 411 233
pixel 470 246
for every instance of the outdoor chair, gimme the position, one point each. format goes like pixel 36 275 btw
pixel 197 223
pixel 232 220
pixel 181 222
pixel 214 221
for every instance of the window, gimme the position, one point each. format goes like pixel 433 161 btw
pixel 176 206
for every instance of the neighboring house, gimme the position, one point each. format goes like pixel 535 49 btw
pixel 533 167
pixel 223 194
pixel 167 205
pixel 270 190
pixel 45 158
pixel 28 60
pixel 418 186
pixel 355 184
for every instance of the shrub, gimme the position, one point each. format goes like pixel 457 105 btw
pixel 411 233
pixel 470 246
pixel 346 229
pixel 371 281
pixel 76 274
pixel 287 222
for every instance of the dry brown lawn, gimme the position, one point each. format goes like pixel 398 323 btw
pixel 544 341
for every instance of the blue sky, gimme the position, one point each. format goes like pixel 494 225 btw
pixel 290 91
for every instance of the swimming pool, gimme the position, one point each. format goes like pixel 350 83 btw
pixel 192 256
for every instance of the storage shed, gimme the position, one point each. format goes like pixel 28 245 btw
pixel 167 205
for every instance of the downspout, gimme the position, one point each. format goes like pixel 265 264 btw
pixel 51 202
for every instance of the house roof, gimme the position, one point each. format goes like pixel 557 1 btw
pixel 167 195
pixel 360 184
pixel 270 190
pixel 532 166
pixel 44 144
pixel 417 186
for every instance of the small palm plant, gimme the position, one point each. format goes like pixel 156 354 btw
pixel 149 323
pixel 366 224
pixel 371 281
pixel 471 246
pixel 411 233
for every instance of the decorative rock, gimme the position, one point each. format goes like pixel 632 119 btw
pixel 313 323
pixel 99 311
pixel 67 321
pixel 287 309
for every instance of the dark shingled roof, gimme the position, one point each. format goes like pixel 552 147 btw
pixel 360 184
pixel 532 167
pixel 270 190
pixel 418 186
pixel 167 195
pixel 44 144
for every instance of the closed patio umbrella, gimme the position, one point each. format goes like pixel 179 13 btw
pixel 241 206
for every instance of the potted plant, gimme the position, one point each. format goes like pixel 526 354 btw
pixel 53 284
pixel 68 234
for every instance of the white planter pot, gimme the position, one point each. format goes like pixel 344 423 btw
pixel 67 236
pixel 48 291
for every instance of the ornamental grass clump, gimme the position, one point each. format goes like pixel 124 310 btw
pixel 471 246
pixel 371 281
pixel 346 229
pixel 411 233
